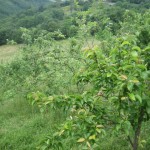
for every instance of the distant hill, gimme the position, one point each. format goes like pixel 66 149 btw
pixel 59 15
pixel 9 7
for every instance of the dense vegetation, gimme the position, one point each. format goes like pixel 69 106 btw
pixel 81 77
pixel 9 7
pixel 57 16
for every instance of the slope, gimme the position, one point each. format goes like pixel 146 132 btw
pixel 9 7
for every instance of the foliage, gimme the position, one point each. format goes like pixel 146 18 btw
pixel 10 7
pixel 55 17
pixel 101 90
pixel 41 59
pixel 120 80
pixel 118 76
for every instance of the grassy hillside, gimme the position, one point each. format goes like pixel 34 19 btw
pixel 30 17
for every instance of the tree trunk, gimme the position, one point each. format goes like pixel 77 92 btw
pixel 138 129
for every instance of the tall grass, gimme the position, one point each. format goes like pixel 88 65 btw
pixel 22 126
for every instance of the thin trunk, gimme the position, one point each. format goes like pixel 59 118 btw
pixel 138 130
pixel 129 139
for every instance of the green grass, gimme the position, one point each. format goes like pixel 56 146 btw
pixel 22 127
pixel 8 52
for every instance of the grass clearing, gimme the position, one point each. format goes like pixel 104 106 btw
pixel 8 52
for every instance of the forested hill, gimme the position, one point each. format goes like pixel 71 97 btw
pixel 9 7
pixel 53 16
pixel 131 1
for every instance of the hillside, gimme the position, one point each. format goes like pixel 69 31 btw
pixel 9 7
pixel 56 16
pixel 75 75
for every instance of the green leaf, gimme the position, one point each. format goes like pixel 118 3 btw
pixel 136 48
pixel 88 144
pixel 43 147
pixel 127 127
pixel 81 140
pixel 100 126
pixel 125 43
pixel 41 110
pixel 123 77
pixel 98 130
pixel 92 137
pixel 134 81
pixel 145 74
pixel 141 66
pixel 134 54
pixel 46 103
pixel 118 127
pixel 126 67
pixel 109 75
pixel 130 86
pixel 123 98
pixel 139 98
pixel 48 141
pixel 132 96
pixel 33 102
